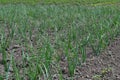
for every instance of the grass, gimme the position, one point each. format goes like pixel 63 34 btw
pixel 45 33
pixel 60 1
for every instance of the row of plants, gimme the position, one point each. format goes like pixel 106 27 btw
pixel 45 33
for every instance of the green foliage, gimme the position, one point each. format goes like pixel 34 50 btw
pixel 1 77
pixel 60 1
pixel 47 32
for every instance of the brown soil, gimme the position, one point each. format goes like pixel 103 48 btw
pixel 106 66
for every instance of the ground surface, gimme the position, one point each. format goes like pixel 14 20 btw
pixel 103 67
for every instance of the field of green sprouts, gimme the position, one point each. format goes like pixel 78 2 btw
pixel 60 1
pixel 34 39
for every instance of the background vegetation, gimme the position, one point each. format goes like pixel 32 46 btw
pixel 61 1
